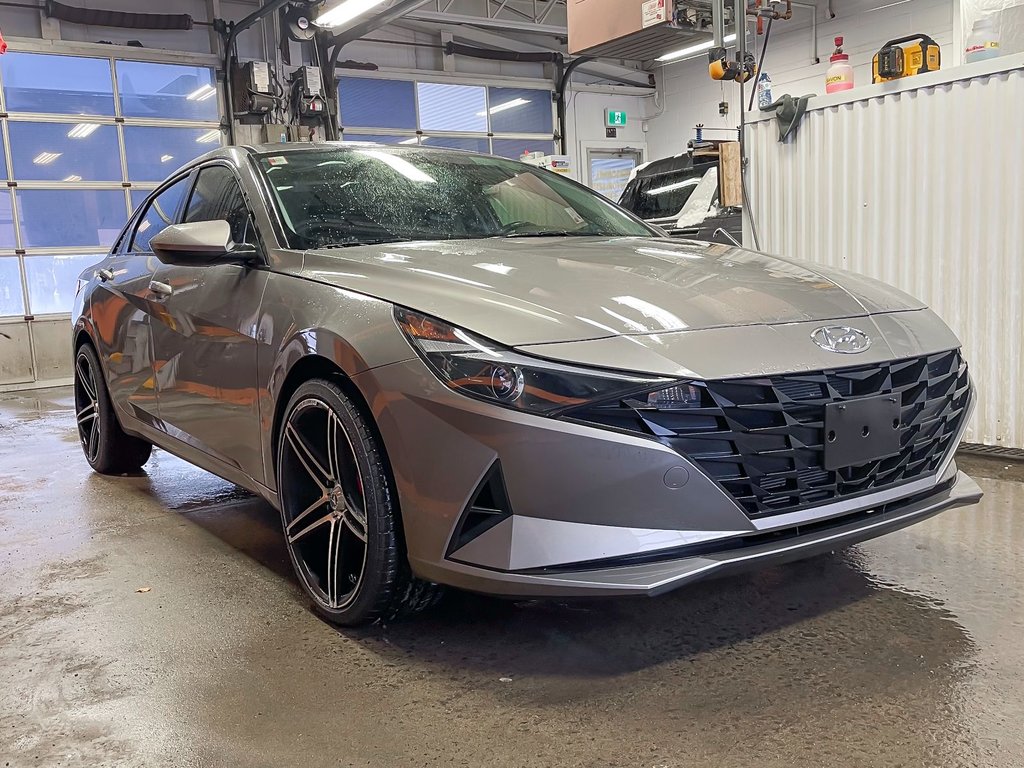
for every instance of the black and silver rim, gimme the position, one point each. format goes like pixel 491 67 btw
pixel 87 407
pixel 323 504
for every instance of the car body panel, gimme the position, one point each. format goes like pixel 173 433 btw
pixel 119 313
pixel 720 353
pixel 204 344
pixel 527 291
pixel 220 351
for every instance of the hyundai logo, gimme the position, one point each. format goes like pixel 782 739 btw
pixel 841 338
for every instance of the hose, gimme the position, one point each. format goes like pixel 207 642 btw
pixel 760 63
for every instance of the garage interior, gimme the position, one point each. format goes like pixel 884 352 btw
pixel 154 619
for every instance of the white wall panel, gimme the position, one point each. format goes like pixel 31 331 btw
pixel 691 96
pixel 923 190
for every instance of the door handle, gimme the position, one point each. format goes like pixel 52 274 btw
pixel 162 289
pixel 104 274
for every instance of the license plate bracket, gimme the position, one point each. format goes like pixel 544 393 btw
pixel 862 430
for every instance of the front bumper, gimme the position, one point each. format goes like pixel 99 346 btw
pixel 662 575
pixel 588 502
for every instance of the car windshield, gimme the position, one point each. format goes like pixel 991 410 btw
pixel 336 197
pixel 663 194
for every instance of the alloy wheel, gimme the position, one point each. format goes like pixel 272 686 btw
pixel 87 411
pixel 323 503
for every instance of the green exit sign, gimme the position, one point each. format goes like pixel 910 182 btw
pixel 614 118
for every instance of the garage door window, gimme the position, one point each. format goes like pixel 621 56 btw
pixel 479 118
pixel 11 303
pixel 69 85
pixel 87 138
pixel 69 152
pixel 51 281
pixel 369 103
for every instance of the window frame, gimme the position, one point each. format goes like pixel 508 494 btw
pixel 140 216
pixel 260 243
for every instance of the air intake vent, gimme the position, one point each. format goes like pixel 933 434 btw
pixel 487 507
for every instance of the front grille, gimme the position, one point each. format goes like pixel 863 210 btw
pixel 763 439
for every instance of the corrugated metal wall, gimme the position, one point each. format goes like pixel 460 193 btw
pixel 923 189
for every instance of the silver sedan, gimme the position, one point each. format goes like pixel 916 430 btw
pixel 451 369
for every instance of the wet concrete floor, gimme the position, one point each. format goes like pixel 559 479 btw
pixel 904 651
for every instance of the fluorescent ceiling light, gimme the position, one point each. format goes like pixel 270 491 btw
pixel 202 93
pixel 677 185
pixel 502 107
pixel 345 11
pixel 707 45
pixel 165 158
pixel 413 140
pixel 399 164
pixel 72 177
pixel 209 137
pixel 81 130
pixel 45 158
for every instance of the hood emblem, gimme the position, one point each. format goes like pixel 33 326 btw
pixel 841 338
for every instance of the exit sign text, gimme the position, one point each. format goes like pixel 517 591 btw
pixel 614 118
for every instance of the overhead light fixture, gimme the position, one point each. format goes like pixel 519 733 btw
pixel 502 107
pixel 682 53
pixel 72 177
pixel 413 140
pixel 399 164
pixel 209 137
pixel 81 130
pixel 677 185
pixel 165 158
pixel 45 158
pixel 345 11
pixel 202 93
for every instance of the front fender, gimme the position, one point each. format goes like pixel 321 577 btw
pixel 300 319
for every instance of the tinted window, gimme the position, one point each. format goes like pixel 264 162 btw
pixel 663 194
pixel 158 215
pixel 218 196
pixel 70 85
pixel 378 194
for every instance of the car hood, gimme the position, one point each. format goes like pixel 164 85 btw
pixel 556 289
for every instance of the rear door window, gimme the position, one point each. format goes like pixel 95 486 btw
pixel 662 195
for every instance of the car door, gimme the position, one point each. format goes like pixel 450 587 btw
pixel 204 335
pixel 122 306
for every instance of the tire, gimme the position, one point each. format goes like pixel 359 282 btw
pixel 338 511
pixel 107 448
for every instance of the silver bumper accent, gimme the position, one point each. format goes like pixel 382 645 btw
pixel 657 577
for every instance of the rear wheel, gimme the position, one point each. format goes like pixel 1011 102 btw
pixel 108 449
pixel 340 519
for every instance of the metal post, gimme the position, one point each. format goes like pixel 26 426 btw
pixel 718 22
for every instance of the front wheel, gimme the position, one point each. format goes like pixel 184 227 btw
pixel 108 449
pixel 339 516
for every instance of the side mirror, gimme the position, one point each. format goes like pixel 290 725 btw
pixel 198 244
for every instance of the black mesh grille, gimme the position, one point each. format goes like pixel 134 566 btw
pixel 763 439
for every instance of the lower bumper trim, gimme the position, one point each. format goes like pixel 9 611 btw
pixel 663 575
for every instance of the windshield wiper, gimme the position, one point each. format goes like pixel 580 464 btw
pixel 553 233
pixel 353 243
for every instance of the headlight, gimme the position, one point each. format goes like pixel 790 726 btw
pixel 480 368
